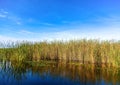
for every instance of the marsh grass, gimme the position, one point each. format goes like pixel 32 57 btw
pixel 40 63
pixel 82 51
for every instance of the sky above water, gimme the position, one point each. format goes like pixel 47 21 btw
pixel 37 20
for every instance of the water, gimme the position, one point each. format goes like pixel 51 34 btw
pixel 19 73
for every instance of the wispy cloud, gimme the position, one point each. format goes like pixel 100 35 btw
pixel 3 14
pixel 105 33
pixel 10 17
pixel 109 20
pixel 18 23
pixel 6 38
pixel 32 20
pixel 25 32
pixel 111 30
pixel 3 11
pixel 14 19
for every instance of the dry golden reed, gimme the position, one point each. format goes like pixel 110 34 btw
pixel 83 51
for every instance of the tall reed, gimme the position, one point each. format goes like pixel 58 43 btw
pixel 83 51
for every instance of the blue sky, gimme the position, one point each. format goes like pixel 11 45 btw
pixel 36 20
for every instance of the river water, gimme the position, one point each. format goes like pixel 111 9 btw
pixel 19 73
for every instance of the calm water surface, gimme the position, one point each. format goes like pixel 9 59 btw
pixel 19 73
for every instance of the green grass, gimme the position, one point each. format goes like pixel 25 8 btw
pixel 83 51
pixel 40 63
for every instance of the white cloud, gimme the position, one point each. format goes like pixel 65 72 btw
pixel 10 17
pixel 6 38
pixel 106 33
pixel 2 15
pixel 25 32
pixel 14 19
pixel 31 20
pixel 78 32
pixel 108 20
pixel 3 11
pixel 111 30
pixel 14 39
pixel 18 23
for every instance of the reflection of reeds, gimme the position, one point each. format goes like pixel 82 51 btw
pixel 85 51
pixel 80 73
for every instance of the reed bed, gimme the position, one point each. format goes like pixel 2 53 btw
pixel 84 51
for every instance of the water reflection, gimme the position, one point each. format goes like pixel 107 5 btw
pixel 21 73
